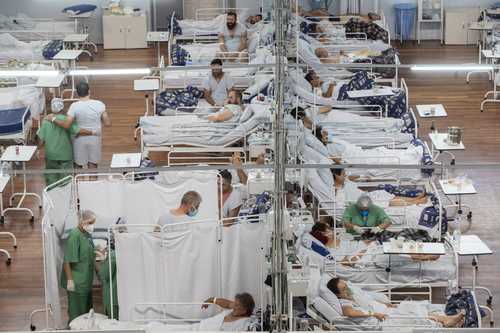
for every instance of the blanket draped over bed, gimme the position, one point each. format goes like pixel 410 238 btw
pixel 396 103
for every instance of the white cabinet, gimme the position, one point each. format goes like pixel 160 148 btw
pixel 124 31
pixel 189 7
pixel 456 22
pixel 430 12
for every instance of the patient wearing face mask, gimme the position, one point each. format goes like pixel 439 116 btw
pixel 187 210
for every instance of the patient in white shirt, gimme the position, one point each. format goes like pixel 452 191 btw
pixel 231 110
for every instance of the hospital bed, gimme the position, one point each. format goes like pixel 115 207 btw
pixel 37 29
pixel 14 49
pixel 189 133
pixel 324 308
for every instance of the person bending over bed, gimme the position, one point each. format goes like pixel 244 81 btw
pixel 360 304
pixel 233 39
pixel 322 88
pixel 231 111
pixel 365 214
pixel 238 312
pixel 217 85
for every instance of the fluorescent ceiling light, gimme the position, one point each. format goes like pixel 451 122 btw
pixel 20 73
pixel 127 71
pixel 436 68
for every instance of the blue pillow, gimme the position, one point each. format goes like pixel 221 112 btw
pixel 80 9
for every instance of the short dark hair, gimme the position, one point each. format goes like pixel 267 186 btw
pixel 226 175
pixel 247 301
pixel 82 89
pixel 232 13
pixel 333 285
pixel 320 227
pixel 318 132
pixel 309 76
pixel 216 61
pixel 298 113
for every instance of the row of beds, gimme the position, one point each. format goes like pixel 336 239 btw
pixel 26 44
pixel 365 131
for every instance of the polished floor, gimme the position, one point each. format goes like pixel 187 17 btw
pixel 21 284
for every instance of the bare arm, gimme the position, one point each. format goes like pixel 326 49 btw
pixel 352 313
pixel 66 124
pixel 67 270
pixel 241 173
pixel 208 96
pixel 325 109
pixel 106 120
pixel 221 116
pixel 222 302
pixel 329 92
pixel 243 42
pixel 84 132
pixel 222 43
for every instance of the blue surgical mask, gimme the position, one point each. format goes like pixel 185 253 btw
pixel 330 136
pixel 192 212
pixel 364 213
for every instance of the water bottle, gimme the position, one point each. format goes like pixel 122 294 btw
pixel 457 234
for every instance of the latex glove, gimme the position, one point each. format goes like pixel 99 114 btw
pixel 358 229
pixel 376 230
pixel 70 286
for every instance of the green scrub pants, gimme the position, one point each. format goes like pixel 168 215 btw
pixel 51 178
pixel 78 304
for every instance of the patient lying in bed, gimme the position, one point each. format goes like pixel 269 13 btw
pixel 363 306
pixel 231 110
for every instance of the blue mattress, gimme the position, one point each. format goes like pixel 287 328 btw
pixel 11 121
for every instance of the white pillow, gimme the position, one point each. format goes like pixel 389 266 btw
pixel 326 310
pixel 328 296
pixel 299 78
pixel 313 142
pixel 314 283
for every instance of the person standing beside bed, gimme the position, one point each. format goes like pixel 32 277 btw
pixel 217 85
pixel 231 198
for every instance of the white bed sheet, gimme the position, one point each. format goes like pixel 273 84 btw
pixel 14 49
pixel 15 97
pixel 43 30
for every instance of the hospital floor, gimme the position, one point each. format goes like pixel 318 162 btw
pixel 21 283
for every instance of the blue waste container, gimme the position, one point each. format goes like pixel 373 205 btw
pixel 405 18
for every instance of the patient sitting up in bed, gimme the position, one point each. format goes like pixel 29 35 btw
pixel 360 305
pixel 237 313
pixel 231 111
pixel 322 88
pixel 233 39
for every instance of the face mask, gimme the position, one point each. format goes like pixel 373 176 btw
pixel 192 212
pixel 364 213
pixel 330 137
pixel 89 228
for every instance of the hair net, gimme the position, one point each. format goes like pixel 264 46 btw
pixel 364 202
pixel 86 217
pixel 56 105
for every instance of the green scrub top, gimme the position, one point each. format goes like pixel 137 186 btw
pixel 58 146
pixel 104 278
pixel 80 254
pixel 376 216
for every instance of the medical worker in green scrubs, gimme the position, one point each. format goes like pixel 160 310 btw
pixel 57 142
pixel 104 277
pixel 79 265
pixel 365 214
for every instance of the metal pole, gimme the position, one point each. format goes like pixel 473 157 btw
pixel 279 262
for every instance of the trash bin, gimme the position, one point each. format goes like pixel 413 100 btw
pixel 405 18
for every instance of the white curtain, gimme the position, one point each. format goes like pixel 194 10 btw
pixel 144 202
pixel 358 6
pixel 181 268
pixel 59 218
pixel 185 266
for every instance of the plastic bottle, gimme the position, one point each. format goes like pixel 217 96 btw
pixel 457 233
